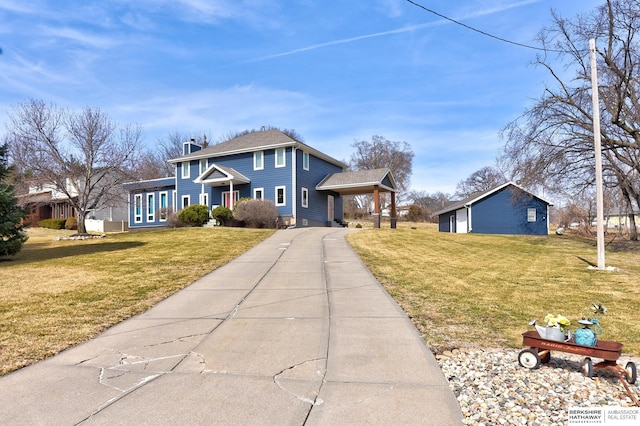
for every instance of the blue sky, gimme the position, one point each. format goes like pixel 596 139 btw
pixel 335 71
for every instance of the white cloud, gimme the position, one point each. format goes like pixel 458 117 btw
pixel 80 37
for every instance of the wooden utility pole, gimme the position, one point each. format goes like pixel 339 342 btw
pixel 598 154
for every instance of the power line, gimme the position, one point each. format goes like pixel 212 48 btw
pixel 484 32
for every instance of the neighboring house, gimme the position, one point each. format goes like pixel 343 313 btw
pixel 619 219
pixel 45 201
pixel 506 209
pixel 305 184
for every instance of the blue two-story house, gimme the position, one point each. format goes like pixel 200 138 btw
pixel 266 164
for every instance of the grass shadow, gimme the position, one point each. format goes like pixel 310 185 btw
pixel 37 254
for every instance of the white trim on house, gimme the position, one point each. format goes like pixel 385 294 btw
pixel 137 208
pixel 233 199
pixel 294 185
pixel 304 197
pixel 163 207
pixel 202 165
pixel 185 173
pixel 151 207
pixel 280 153
pixel 305 160
pixel 255 193
pixel 260 155
pixel 284 195
pixel 186 198
pixel 204 199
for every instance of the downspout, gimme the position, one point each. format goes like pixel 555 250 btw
pixel 469 227
pixel 294 184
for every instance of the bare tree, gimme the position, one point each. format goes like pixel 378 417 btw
pixel 382 153
pixel 84 154
pixel 429 203
pixel 551 144
pixel 154 162
pixel 480 181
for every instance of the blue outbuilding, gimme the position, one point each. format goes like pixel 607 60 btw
pixel 506 209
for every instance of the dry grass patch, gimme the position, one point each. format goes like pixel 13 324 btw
pixel 55 294
pixel 482 290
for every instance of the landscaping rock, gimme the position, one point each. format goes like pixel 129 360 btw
pixel 493 389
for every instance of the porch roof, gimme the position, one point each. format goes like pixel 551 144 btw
pixel 359 182
pixel 217 175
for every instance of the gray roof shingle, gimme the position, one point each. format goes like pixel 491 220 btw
pixel 254 141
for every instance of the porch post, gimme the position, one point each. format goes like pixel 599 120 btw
pixel 376 206
pixel 394 220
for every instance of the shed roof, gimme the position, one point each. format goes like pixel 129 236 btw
pixel 479 196
pixel 359 182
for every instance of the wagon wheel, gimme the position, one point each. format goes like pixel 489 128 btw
pixel 587 367
pixel 630 370
pixel 529 358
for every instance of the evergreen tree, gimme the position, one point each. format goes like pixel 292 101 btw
pixel 12 232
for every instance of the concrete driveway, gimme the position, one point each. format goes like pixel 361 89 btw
pixel 294 332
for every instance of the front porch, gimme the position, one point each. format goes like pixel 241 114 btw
pixel 365 182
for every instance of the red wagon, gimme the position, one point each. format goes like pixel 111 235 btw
pixel 540 352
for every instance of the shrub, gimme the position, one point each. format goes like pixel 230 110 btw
pixel 257 213
pixel 194 215
pixel 71 223
pixel 359 226
pixel 240 201
pixel 52 223
pixel 221 214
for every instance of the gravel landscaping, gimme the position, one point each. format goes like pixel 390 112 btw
pixel 493 389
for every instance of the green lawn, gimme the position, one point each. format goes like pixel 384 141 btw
pixel 460 290
pixel 55 294
pixel 465 290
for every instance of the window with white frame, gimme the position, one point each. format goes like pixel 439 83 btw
pixel 202 166
pixel 185 170
pixel 151 208
pixel 258 193
pixel 305 197
pixel 204 199
pixel 186 201
pixel 280 157
pixel 531 215
pixel 163 206
pixel 258 160
pixel 281 199
pixel 305 160
pixel 137 202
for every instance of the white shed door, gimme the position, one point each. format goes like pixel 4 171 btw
pixel 461 221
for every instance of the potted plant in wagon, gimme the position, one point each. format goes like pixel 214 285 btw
pixel 555 328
